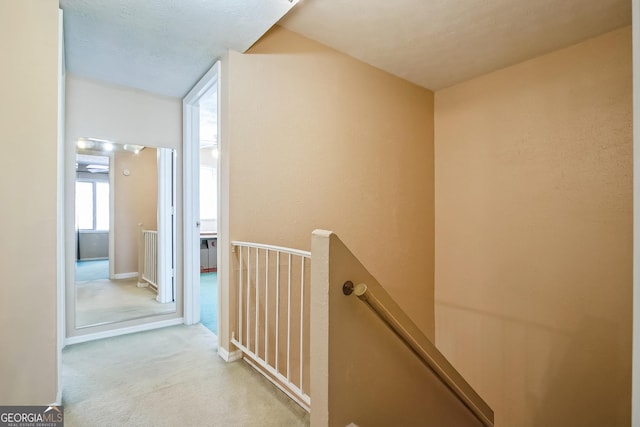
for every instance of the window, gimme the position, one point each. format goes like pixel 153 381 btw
pixel 92 205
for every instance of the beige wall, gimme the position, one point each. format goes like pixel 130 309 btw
pixel 135 202
pixel 533 169
pixel 320 140
pixel 361 372
pixel 28 131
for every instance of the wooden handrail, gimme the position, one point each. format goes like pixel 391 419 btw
pixel 393 316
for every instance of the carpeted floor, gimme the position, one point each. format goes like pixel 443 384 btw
pixel 209 301
pixel 101 300
pixel 168 377
pixel 105 301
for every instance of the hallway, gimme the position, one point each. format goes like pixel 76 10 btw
pixel 168 377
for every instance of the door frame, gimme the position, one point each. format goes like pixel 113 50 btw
pixel 166 225
pixel 635 375
pixel 191 195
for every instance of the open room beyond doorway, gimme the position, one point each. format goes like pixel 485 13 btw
pixel 209 209
pixel 209 301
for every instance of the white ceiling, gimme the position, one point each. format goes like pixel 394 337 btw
pixel 160 46
pixel 437 43
pixel 165 46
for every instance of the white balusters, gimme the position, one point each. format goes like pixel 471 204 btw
pixel 260 288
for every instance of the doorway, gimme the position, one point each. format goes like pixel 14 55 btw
pixel 204 224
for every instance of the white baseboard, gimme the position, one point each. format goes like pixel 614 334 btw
pixel 229 356
pixel 123 331
pixel 126 275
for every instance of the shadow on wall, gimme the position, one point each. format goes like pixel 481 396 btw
pixel 596 354
pixel 538 375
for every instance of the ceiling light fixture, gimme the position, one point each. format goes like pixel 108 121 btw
pixel 133 148
pixel 82 144
pixel 95 144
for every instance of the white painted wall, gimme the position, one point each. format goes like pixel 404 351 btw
pixel 60 256
pixel 101 110
pixel 635 389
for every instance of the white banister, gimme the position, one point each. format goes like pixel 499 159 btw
pixel 289 321
pixel 240 298
pixel 248 290
pixel 149 267
pixel 277 308
pixel 266 307
pixel 257 321
pixel 280 249
pixel 257 280
pixel 301 318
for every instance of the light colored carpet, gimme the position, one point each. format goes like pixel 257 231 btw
pixel 104 301
pixel 168 377
pixel 209 301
